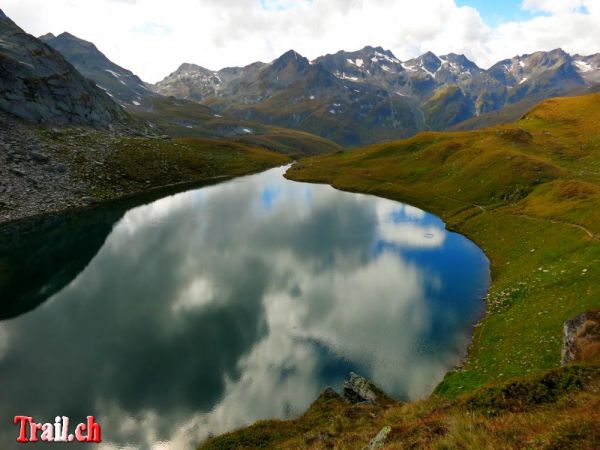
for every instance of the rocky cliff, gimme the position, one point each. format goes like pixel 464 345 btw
pixel 38 85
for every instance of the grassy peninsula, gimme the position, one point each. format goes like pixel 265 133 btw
pixel 529 195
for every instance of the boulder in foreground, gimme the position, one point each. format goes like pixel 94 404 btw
pixel 581 338
pixel 359 390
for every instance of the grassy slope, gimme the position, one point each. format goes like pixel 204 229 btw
pixel 510 112
pixel 557 410
pixel 529 195
pixel 507 114
pixel 184 118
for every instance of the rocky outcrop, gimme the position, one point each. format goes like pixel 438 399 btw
pixel 358 390
pixel 38 85
pixel 581 338
pixel 379 441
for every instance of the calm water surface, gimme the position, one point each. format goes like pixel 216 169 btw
pixel 206 310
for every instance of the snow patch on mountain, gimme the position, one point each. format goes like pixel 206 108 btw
pixel 358 62
pixel 583 66
pixel 113 73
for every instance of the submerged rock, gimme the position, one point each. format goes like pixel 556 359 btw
pixel 581 338
pixel 358 389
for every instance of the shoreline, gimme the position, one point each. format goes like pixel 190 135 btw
pixel 154 191
pixel 542 267
pixel 54 170
pixel 528 195
pixel 449 228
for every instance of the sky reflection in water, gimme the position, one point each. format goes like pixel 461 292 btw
pixel 210 309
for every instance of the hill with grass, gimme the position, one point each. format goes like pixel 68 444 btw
pixel 529 195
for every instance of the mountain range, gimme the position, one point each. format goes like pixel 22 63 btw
pixel 370 95
pixel 350 98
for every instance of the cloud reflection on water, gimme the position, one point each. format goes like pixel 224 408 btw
pixel 210 309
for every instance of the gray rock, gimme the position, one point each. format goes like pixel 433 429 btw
pixel 39 157
pixel 17 172
pixel 581 338
pixel 378 441
pixel 90 200
pixel 358 389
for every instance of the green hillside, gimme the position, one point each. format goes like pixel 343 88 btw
pixel 529 195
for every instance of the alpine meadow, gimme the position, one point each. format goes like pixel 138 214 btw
pixel 368 225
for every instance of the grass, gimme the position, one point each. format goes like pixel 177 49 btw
pixel 558 410
pixel 529 195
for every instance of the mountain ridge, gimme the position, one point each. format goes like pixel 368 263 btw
pixel 119 83
pixel 438 92
pixel 38 84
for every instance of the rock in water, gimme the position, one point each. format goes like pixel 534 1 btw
pixel 581 338
pixel 358 389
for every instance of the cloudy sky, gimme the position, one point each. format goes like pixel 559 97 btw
pixel 153 37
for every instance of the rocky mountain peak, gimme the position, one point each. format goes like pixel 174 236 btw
pixel 37 84
pixel 374 51
pixel 430 61
pixel 47 37
pixel 286 70
pixel 461 60
pixel 2 15
pixel 426 64
pixel 290 58
pixel 65 39
pixel 119 83
pixel 191 68
pixel 549 59
pixel 385 52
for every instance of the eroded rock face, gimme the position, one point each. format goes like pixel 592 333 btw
pixel 358 389
pixel 38 85
pixel 121 84
pixel 581 338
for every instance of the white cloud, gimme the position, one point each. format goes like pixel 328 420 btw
pixel 553 6
pixel 569 24
pixel 153 38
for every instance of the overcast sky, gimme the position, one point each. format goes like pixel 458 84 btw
pixel 153 37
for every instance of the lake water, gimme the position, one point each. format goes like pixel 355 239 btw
pixel 206 310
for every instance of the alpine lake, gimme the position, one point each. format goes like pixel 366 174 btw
pixel 172 319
